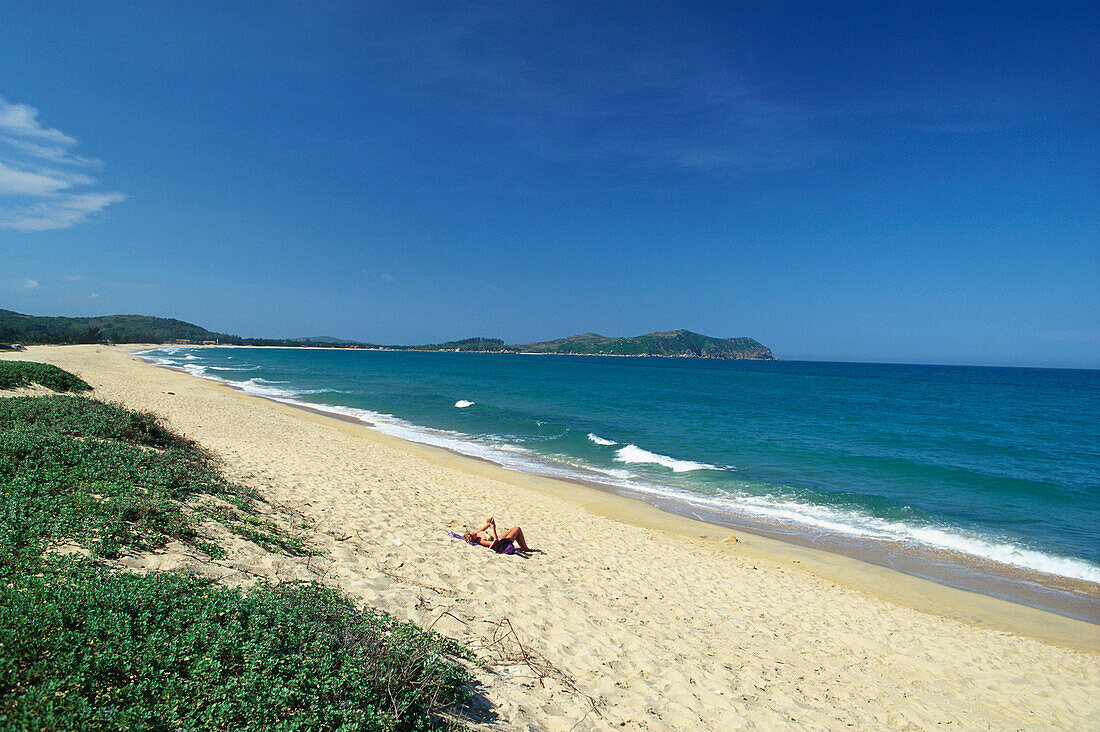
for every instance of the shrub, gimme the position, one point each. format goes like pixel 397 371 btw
pixel 75 469
pixel 104 495
pixel 15 374
pixel 81 417
pixel 84 648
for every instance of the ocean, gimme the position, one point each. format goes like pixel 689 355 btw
pixel 982 478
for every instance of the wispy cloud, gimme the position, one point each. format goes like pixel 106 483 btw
pixel 72 278
pixel 386 276
pixel 43 183
pixel 29 284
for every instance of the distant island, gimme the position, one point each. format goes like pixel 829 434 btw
pixel 35 329
pixel 672 344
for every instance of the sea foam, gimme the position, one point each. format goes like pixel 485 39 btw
pixel 600 440
pixel 635 454
pixel 462 404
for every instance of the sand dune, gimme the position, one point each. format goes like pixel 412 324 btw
pixel 630 618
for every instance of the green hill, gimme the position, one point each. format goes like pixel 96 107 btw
pixel 16 327
pixel 682 343
pixel 676 343
pixel 19 328
pixel 113 328
pixel 481 345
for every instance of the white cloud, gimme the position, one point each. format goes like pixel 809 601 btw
pixel 386 276
pixel 41 182
pixel 42 185
pixel 30 284
pixel 20 120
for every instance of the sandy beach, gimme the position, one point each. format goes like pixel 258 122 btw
pixel 629 618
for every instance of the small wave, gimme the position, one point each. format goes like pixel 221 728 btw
pixel 191 357
pixel 856 524
pixel 462 404
pixel 233 368
pixel 599 440
pixel 264 388
pixel 635 454
pixel 191 368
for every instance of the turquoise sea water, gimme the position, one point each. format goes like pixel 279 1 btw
pixel 997 466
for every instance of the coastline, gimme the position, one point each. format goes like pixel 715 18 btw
pixel 1064 594
pixel 500 353
pixel 852 640
pixel 860 570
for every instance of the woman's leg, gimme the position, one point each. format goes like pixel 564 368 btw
pixel 516 534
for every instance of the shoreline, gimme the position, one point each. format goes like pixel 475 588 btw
pixel 654 621
pixel 441 350
pixel 861 572
pixel 1077 599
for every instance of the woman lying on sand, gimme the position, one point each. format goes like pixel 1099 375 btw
pixel 512 538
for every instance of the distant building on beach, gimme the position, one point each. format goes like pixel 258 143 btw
pixel 182 341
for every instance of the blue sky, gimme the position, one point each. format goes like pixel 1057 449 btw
pixel 913 182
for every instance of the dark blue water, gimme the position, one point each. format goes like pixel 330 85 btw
pixel 997 464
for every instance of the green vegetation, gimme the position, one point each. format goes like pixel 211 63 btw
pixel 16 374
pixel 16 327
pixel 682 343
pixel 484 345
pixel 88 648
pixel 673 343
pixel 35 329
pixel 76 417
pixel 83 646
pixel 145 329
pixel 94 474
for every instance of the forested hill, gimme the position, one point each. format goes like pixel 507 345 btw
pixel 29 329
pixel 112 328
pixel 680 343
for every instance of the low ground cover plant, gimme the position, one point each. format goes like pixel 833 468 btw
pixel 69 415
pixel 83 646
pixel 16 374
pixel 87 648
pixel 77 470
